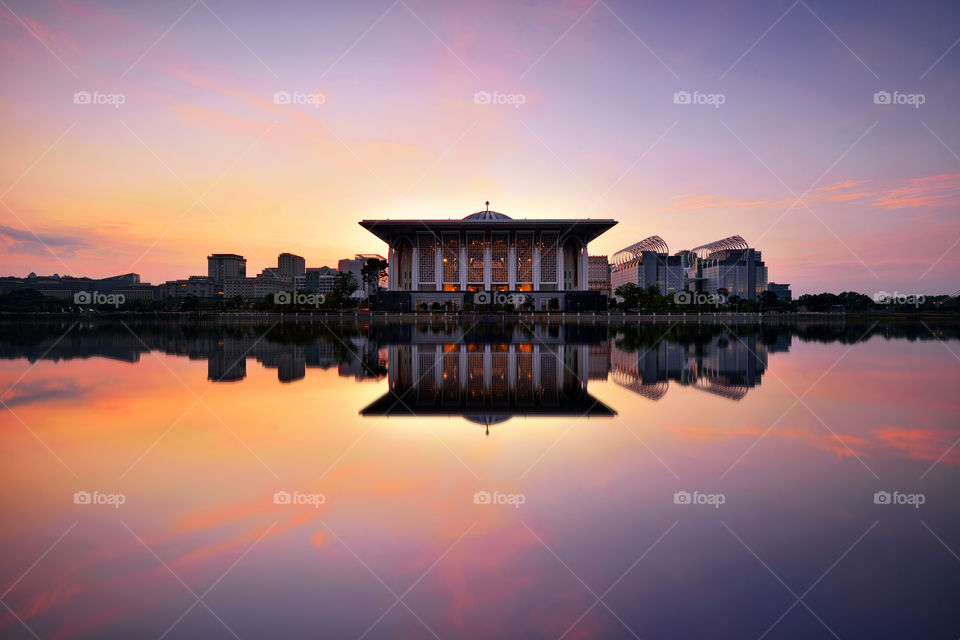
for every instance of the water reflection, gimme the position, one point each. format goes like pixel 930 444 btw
pixel 192 425
pixel 727 365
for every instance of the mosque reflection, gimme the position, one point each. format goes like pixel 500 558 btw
pixel 488 383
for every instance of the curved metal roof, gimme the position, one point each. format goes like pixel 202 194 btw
pixel 727 244
pixel 627 254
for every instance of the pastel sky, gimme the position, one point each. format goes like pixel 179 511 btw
pixel 837 191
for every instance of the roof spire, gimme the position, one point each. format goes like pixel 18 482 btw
pixel 488 205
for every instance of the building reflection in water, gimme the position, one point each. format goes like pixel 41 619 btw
pixel 727 366
pixel 488 383
pixel 487 374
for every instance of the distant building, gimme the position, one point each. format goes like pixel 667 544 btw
pixel 64 287
pixel 198 286
pixel 782 290
pixel 138 292
pixel 648 263
pixel 354 267
pixel 729 264
pixel 320 279
pixel 598 275
pixel 256 288
pixel 221 266
pixel 291 266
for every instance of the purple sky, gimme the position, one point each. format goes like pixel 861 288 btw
pixel 839 192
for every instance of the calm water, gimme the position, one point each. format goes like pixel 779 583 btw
pixel 479 482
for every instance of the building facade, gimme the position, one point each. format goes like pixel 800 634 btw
pixel 782 290
pixel 320 279
pixel 728 264
pixel 648 263
pixel 291 266
pixel 221 266
pixel 598 275
pixel 449 261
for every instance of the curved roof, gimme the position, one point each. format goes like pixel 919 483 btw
pixel 727 244
pixel 627 254
pixel 487 215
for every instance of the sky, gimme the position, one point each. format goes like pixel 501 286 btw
pixel 143 136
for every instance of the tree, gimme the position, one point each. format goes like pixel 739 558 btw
pixel 767 299
pixel 630 293
pixel 372 272
pixel 344 285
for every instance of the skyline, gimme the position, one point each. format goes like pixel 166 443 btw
pixel 839 192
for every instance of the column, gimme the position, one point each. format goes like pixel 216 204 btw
pixel 462 262
pixel 583 278
pixel 512 261
pixel 487 258
pixel 415 266
pixel 536 262
pixel 392 268
pixel 561 284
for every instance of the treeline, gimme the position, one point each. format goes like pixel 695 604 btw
pixel 635 298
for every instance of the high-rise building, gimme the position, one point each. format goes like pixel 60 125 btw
pixel 290 265
pixel 221 266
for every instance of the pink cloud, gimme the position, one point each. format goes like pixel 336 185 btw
pixel 940 190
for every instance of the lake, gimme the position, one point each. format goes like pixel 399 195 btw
pixel 479 480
